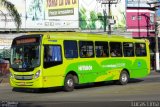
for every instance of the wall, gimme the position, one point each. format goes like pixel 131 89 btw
pixel 143 26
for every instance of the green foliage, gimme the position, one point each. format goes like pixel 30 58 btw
pixel 12 11
pixel 93 19
pixel 82 18
pixel 5 53
pixel 121 23
pixel 101 19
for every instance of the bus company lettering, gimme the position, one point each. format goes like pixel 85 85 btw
pixel 57 3
pixel 85 68
pixel 114 65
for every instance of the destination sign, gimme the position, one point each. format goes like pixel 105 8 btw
pixel 26 40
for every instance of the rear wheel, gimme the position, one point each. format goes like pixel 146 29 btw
pixel 69 83
pixel 124 78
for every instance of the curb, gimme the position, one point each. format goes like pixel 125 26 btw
pixel 4 84
pixel 4 80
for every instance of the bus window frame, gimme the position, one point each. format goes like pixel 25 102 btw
pixel 57 62
pixel 133 49
pixel 80 52
pixel 107 50
pixel 76 46
pixel 121 49
pixel 145 49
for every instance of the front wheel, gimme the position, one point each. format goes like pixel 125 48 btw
pixel 69 83
pixel 124 78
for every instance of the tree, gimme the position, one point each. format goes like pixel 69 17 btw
pixel 12 11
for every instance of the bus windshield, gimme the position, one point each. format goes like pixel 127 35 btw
pixel 25 56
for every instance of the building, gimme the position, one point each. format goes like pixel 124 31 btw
pixel 140 21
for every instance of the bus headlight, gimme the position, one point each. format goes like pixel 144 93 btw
pixel 37 74
pixel 11 76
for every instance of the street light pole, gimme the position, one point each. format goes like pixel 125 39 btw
pixel 156 47
pixel 156 4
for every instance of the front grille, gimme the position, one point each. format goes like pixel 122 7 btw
pixel 23 77
pixel 24 83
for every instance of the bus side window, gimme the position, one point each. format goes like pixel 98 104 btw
pixel 86 49
pixel 101 49
pixel 140 49
pixel 52 55
pixel 115 49
pixel 128 49
pixel 70 49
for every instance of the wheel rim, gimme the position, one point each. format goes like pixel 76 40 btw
pixel 70 83
pixel 124 78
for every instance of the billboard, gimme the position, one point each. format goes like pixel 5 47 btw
pixel 137 3
pixel 42 15
pixel 92 11
pixel 48 15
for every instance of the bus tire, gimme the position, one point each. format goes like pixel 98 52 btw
pixel 124 78
pixel 69 83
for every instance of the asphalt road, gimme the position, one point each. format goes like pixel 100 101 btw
pixel 104 94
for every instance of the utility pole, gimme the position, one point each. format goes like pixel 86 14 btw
pixel 104 18
pixel 109 13
pixel 156 4
pixel 109 2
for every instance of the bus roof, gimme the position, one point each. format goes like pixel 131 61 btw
pixel 85 36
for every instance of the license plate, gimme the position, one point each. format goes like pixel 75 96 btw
pixel 22 83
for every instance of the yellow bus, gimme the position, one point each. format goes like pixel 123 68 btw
pixel 43 60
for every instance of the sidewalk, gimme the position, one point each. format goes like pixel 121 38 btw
pixel 153 72
pixel 4 78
